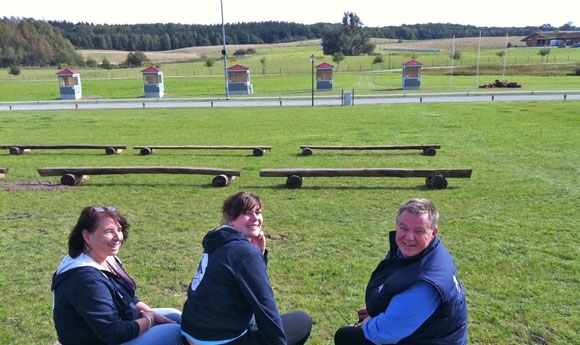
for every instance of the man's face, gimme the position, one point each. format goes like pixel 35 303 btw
pixel 414 233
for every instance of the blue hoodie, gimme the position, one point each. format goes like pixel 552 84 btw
pixel 231 291
pixel 92 306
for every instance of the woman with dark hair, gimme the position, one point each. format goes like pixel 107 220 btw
pixel 94 298
pixel 230 300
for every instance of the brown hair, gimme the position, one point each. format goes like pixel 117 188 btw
pixel 238 203
pixel 89 220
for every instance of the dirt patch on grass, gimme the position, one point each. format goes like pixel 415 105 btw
pixel 34 185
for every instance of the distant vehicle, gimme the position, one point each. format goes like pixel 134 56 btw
pixel 558 43
pixel 575 45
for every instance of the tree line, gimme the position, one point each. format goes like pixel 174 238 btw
pixel 30 42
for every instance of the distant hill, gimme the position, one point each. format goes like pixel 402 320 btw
pixel 52 42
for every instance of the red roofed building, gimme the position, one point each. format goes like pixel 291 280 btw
pixel 70 84
pixel 324 77
pixel 412 75
pixel 552 39
pixel 153 82
pixel 239 80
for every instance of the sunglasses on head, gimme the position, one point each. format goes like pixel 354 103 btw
pixel 103 209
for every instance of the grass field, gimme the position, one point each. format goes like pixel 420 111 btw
pixel 288 71
pixel 511 227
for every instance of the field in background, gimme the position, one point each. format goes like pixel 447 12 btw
pixel 287 71
pixel 510 227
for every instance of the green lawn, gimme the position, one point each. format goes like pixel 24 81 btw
pixel 511 227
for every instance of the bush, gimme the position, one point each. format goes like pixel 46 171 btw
pixel 14 70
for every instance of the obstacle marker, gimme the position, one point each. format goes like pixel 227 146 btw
pixel 434 178
pixel 428 150
pixel 75 176
pixel 150 149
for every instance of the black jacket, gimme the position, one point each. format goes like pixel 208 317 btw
pixel 231 291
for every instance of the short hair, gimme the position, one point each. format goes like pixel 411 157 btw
pixel 418 207
pixel 238 203
pixel 89 220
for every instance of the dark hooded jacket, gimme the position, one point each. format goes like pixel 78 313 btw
pixel 435 266
pixel 231 291
pixel 92 306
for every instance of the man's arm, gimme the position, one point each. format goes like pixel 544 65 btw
pixel 404 315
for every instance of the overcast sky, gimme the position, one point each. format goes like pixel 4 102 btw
pixel 374 13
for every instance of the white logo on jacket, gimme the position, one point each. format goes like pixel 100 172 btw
pixel 200 271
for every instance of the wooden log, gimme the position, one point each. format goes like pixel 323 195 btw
pixel 294 182
pixel 62 146
pixel 365 172
pixel 4 170
pixel 113 151
pixel 257 151
pixel 434 178
pixel 222 180
pixel 2 176
pixel 59 171
pixel 145 151
pixel 428 149
pixel 73 180
pixel 17 149
pixel 75 176
pixel 198 147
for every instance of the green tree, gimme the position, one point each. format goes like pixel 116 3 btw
pixel 263 62
pixel 209 64
pixel 14 70
pixel 349 38
pixel 378 59
pixel 544 52
pixel 337 58
pixel 106 64
pixel 135 58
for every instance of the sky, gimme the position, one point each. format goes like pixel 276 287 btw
pixel 373 13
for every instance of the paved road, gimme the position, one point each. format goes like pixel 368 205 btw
pixel 281 101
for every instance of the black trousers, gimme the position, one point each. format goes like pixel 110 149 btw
pixel 297 326
pixel 350 335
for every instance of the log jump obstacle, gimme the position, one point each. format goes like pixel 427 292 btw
pixel 434 178
pixel 75 176
pixel 18 149
pixel 428 150
pixel 3 172
pixel 257 151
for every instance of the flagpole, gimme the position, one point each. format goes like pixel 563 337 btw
pixel 452 59
pixel 224 52
pixel 478 52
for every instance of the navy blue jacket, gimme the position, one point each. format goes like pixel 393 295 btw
pixel 92 306
pixel 231 291
pixel 448 324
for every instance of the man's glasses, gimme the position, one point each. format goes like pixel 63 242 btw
pixel 103 209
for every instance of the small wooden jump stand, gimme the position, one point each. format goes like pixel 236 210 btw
pixel 75 176
pixel 434 178
pixel 3 172
pixel 257 151
pixel 428 150
pixel 18 149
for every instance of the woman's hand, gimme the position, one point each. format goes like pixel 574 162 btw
pixel 259 241
pixel 160 319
